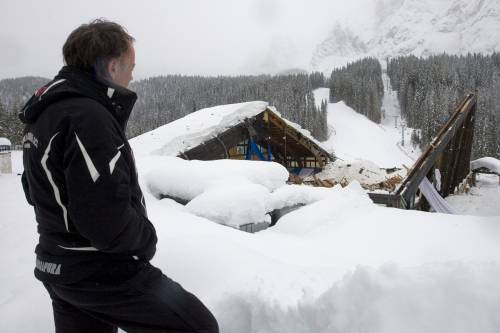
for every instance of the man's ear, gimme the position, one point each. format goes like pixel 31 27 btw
pixel 112 67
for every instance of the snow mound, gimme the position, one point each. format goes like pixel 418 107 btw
pixel 292 195
pixel 233 204
pixel 326 212
pixel 489 163
pixel 183 179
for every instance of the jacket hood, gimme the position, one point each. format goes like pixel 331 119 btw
pixel 74 82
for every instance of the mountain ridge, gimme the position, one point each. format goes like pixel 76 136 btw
pixel 417 27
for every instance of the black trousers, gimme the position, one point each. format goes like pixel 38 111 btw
pixel 134 296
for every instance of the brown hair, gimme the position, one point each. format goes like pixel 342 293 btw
pixel 93 45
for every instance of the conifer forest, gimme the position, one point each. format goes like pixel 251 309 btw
pixel 428 90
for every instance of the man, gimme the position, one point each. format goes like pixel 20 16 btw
pixel 95 238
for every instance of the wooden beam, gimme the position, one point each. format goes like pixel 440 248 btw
pixel 299 138
pixel 420 169
pixel 217 147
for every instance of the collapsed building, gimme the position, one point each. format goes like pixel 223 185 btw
pixel 251 131
pixel 256 131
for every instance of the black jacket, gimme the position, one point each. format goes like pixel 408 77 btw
pixel 80 176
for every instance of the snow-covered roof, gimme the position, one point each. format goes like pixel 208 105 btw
pixel 4 142
pixel 197 127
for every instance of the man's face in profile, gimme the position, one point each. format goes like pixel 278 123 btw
pixel 121 69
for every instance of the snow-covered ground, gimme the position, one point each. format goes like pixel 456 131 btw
pixel 338 264
pixel 482 200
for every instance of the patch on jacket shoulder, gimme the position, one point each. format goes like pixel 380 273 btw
pixel 29 139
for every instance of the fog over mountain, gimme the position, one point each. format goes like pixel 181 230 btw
pixel 225 37
pixel 392 28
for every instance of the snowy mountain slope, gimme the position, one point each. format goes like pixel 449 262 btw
pixel 321 95
pixel 418 27
pixel 355 137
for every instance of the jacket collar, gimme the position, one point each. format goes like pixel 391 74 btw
pixel 119 100
pixel 71 82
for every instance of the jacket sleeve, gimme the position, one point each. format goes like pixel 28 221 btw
pixel 26 188
pixel 99 179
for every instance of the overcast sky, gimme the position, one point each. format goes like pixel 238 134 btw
pixel 205 37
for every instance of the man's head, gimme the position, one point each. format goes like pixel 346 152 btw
pixel 104 47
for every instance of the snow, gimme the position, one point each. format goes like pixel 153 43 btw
pixel 4 142
pixel 185 179
pixel 490 163
pixel 233 204
pixel 365 148
pixel 292 195
pixel 340 263
pixel 320 95
pixel 392 121
pixel 482 200
pixel 17 161
pixel 360 170
pixel 435 298
pixel 356 137
pixel 337 264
